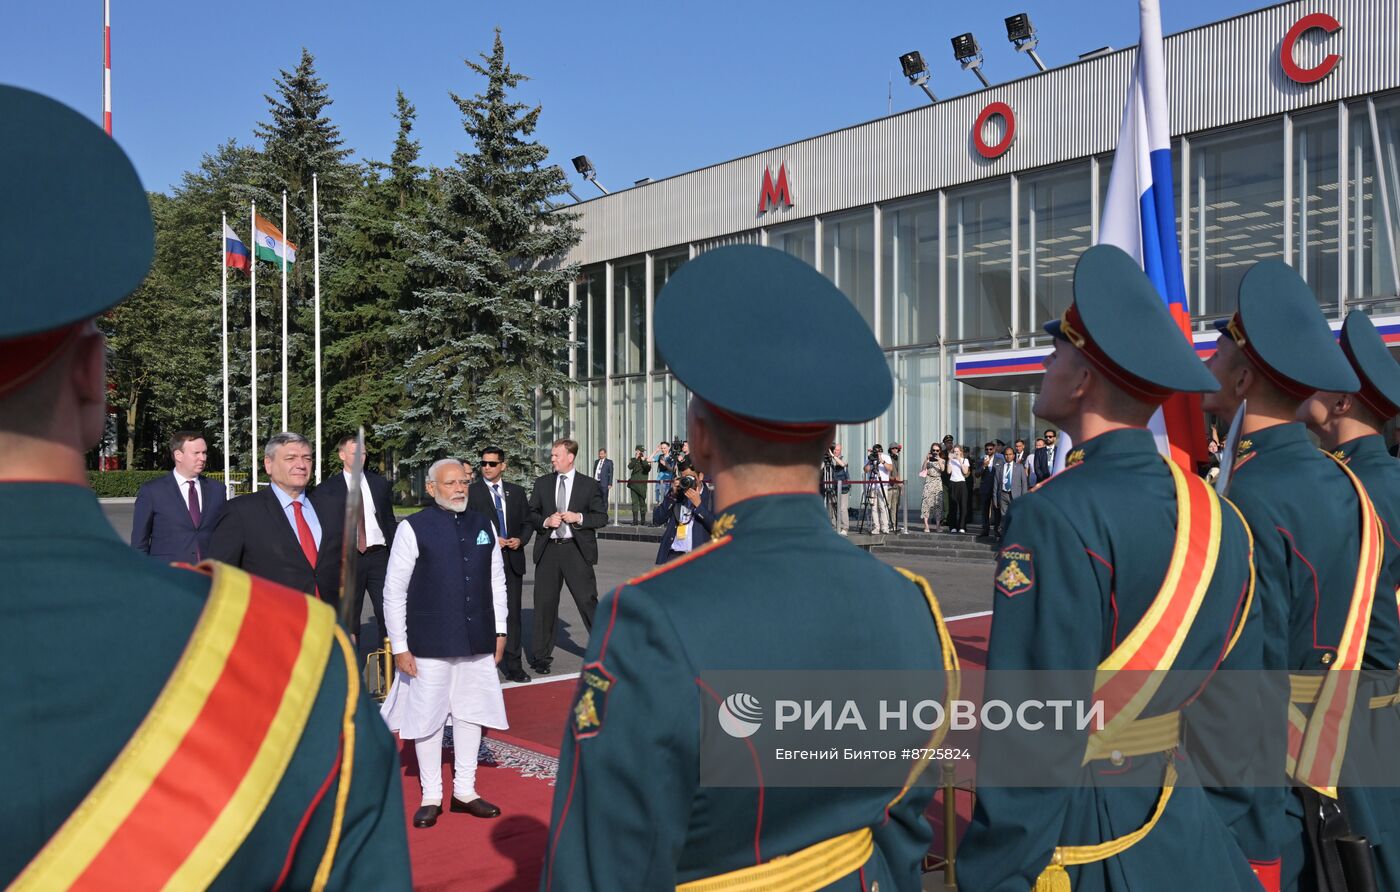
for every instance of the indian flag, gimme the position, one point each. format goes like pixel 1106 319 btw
pixel 269 244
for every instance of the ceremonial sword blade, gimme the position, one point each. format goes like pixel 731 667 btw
pixel 349 548
pixel 1232 443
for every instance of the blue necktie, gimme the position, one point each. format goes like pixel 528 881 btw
pixel 500 508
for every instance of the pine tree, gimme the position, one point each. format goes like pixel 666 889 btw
pixel 299 139
pixel 483 345
pixel 371 286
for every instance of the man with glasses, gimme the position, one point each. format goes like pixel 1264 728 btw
pixel 1045 457
pixel 506 504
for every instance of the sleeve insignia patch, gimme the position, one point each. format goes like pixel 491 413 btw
pixel 722 526
pixel 591 705
pixel 1015 571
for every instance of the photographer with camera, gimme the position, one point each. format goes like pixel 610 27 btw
pixel 878 469
pixel 836 488
pixel 687 511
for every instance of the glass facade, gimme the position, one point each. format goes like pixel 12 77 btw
pixel 982 266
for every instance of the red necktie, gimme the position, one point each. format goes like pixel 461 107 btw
pixel 308 541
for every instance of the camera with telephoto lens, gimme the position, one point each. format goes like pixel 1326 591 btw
pixel 688 481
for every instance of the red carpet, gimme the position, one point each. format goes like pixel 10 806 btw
pixel 517 773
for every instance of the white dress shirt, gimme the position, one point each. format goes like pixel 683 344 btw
pixel 184 484
pixel 402 559
pixel 373 534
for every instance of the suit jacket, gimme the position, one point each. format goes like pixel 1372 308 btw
pixel 517 514
pixel 701 519
pixel 605 478
pixel 1042 463
pixel 1020 480
pixel 161 526
pixel 586 498
pixel 987 486
pixel 329 498
pixel 253 533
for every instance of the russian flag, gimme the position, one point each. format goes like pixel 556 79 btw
pixel 235 252
pixel 1139 216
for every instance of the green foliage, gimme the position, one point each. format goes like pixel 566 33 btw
pixel 484 348
pixel 120 484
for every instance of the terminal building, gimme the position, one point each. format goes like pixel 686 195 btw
pixel 954 227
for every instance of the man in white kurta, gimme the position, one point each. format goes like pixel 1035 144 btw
pixel 427 690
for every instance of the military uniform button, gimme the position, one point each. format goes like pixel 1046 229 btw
pixel 875 886
pixel 1116 757
pixel 1327 659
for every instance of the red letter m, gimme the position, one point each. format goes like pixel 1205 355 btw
pixel 775 196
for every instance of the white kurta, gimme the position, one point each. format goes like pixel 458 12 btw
pixel 465 688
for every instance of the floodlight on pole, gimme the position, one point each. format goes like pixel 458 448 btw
pixel 586 170
pixel 914 68
pixel 1022 35
pixel 969 55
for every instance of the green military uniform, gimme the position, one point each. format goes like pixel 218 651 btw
pixel 1304 513
pixel 96 629
pixel 637 471
pixel 1085 556
pixel 775 589
pixel 1376 814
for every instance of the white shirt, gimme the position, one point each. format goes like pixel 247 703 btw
pixel 598 470
pixel 184 484
pixel 498 489
pixel 402 559
pixel 373 534
pixel 882 473
pixel 957 470
pixel 563 531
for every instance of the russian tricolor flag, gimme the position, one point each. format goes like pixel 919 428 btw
pixel 235 252
pixel 1139 216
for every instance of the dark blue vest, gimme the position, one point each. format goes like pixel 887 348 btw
pixel 450 610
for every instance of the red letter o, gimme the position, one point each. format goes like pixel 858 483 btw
pixel 1008 116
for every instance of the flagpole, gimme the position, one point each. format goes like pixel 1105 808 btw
pixel 285 249
pixel 316 286
pixel 253 349
pixel 107 67
pixel 223 303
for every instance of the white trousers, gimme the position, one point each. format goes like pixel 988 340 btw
pixel 466 741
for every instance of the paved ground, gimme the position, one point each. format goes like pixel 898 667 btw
pixel 961 588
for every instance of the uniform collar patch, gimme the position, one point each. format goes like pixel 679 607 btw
pixel 1015 570
pixel 591 704
pixel 1074 458
pixel 1245 446
pixel 722 525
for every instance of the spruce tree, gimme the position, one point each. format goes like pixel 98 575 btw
pixel 482 344
pixel 370 287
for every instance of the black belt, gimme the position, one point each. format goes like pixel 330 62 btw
pixel 561 541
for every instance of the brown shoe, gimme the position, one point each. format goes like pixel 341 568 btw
pixel 477 808
pixel 427 815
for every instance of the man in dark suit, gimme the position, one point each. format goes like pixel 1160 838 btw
pixel 565 509
pixel 176 513
pixel 374 534
pixel 276 532
pixel 1045 456
pixel 603 473
pixel 687 513
pixel 508 507
pixel 991 468
pixel 1010 481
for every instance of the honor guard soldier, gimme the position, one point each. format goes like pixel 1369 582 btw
pixel 163 726
pixel 1351 426
pixel 776 588
pixel 1317 552
pixel 1125 564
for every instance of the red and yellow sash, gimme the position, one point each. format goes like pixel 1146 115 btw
pixel 1317 742
pixel 1129 677
pixel 186 790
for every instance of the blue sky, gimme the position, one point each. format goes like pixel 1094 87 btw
pixel 644 89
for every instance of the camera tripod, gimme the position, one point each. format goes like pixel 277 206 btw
pixel 872 499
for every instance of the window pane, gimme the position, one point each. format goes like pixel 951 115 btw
pixel 1314 208
pixel 797 239
pixel 1054 218
pixel 629 317
pixel 1236 210
pixel 592 321
pixel 910 274
pixel 848 259
pixel 1372 200
pixel 979 262
pixel 662 268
